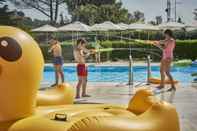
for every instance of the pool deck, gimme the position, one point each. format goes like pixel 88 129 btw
pixel 185 100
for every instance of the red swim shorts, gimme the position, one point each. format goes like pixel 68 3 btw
pixel 82 70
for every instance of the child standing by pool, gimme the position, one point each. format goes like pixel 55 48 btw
pixel 168 46
pixel 56 50
pixel 80 54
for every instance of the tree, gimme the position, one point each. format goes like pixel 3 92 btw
pixel 86 13
pixel 195 14
pixel 152 23
pixel 179 20
pixel 17 18
pixel 2 1
pixel 12 18
pixel 94 11
pixel 138 16
pixel 49 8
pixel 74 4
pixel 63 20
pixel 159 20
pixel 20 13
pixel 6 16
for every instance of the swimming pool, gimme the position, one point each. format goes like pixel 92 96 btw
pixel 119 73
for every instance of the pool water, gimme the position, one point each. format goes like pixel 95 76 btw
pixel 119 73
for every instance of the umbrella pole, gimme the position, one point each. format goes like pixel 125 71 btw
pixel 131 80
pixel 72 38
pixel 131 34
pixel 47 38
pixel 99 53
pixel 108 35
pixel 121 35
pixel 96 48
pixel 148 69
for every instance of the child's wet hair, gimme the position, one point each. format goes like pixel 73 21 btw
pixel 169 32
pixel 52 38
pixel 81 41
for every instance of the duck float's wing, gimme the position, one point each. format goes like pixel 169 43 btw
pixel 98 120
pixel 144 113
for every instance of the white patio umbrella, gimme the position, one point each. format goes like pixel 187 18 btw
pixel 105 26
pixel 172 26
pixel 192 26
pixel 45 28
pixel 75 27
pixel 123 26
pixel 143 27
pixel 97 27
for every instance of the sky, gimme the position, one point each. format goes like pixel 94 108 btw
pixel 150 8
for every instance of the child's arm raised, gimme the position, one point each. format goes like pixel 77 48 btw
pixel 51 49
pixel 158 44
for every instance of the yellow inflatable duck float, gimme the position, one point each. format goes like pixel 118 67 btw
pixel 62 94
pixel 21 67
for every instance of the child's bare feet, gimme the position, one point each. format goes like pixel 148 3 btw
pixel 54 85
pixel 160 87
pixel 171 89
pixel 77 97
pixel 85 95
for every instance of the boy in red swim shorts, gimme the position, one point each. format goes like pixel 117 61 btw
pixel 80 54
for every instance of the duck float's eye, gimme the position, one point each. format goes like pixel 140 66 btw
pixel 4 43
pixel 10 50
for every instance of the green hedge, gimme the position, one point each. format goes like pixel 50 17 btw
pixel 139 50
pixel 185 49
